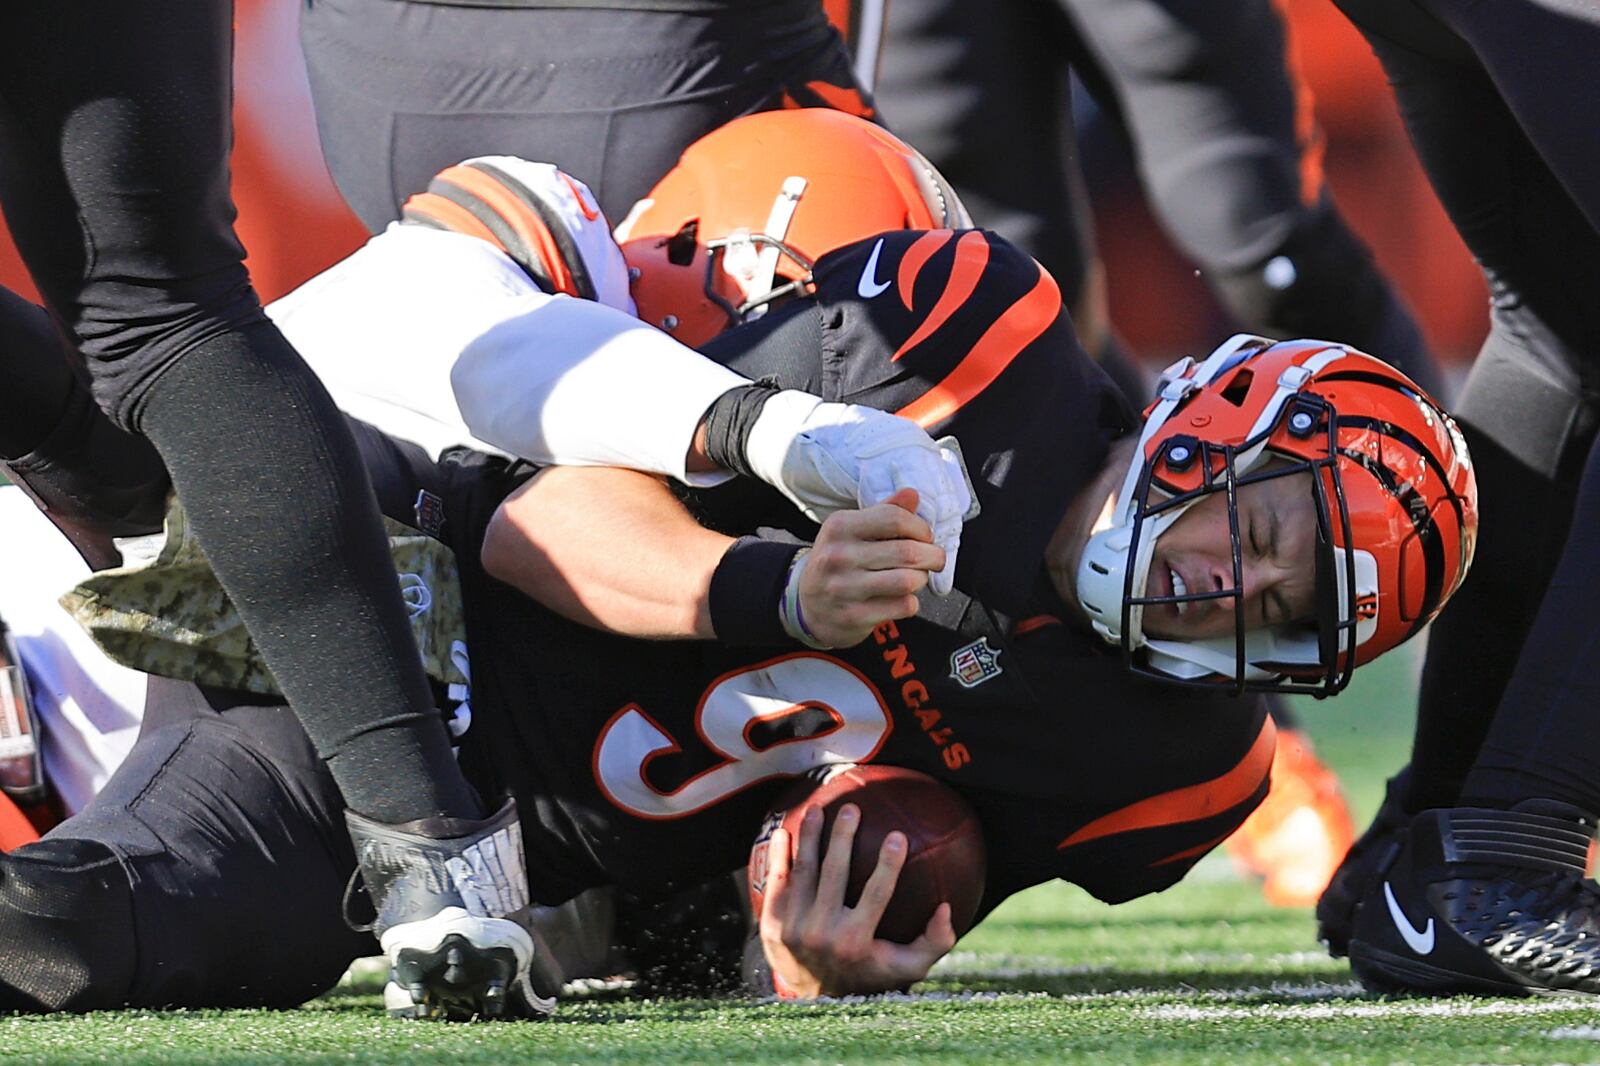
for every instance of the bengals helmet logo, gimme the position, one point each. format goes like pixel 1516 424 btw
pixel 1367 606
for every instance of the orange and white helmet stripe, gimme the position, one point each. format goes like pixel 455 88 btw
pixel 544 219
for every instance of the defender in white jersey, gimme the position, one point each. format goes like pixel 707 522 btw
pixel 88 707
pixel 497 316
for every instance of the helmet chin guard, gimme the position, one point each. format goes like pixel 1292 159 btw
pixel 1392 489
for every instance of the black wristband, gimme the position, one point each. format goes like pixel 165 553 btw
pixel 745 589
pixel 728 421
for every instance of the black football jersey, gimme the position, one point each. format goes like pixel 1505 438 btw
pixel 652 764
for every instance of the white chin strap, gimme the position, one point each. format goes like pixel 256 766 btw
pixel 1103 569
pixel 754 268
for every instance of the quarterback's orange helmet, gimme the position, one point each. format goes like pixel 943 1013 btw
pixel 750 206
pixel 1391 480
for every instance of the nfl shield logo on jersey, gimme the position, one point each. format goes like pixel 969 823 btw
pixel 429 510
pixel 974 664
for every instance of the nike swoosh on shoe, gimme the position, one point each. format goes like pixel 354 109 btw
pixel 1418 940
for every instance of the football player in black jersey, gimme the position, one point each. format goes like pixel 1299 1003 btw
pixel 1473 877
pixel 1257 533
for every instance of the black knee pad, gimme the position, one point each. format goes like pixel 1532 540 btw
pixel 66 923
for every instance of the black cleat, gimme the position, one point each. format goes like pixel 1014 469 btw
pixel 1486 902
pixel 1363 865
pixel 94 481
pixel 452 905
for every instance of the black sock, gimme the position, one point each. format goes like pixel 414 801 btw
pixel 269 475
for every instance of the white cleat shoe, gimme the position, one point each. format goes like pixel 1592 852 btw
pixel 452 905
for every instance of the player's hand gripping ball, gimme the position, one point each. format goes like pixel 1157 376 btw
pixel 945 856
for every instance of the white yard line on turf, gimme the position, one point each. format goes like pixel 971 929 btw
pixel 1398 1009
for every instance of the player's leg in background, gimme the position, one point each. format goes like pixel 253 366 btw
pixel 610 96
pixel 1544 741
pixel 115 125
pixel 1535 387
pixel 1230 155
pixel 208 872
pixel 1503 157
pixel 987 100
pixel 93 480
pixel 984 98
pixel 134 248
pixel 1527 405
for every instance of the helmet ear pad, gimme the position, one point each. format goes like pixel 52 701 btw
pixel 762 198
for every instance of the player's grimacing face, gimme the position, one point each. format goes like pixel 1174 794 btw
pixel 1277 540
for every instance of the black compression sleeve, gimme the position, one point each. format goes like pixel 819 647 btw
pixel 268 472
pixel 728 422
pixel 745 589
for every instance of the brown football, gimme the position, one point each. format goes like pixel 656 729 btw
pixel 945 861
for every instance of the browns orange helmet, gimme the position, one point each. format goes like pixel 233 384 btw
pixel 1392 484
pixel 750 206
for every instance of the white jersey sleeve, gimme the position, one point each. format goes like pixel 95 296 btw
pixel 576 384
pixel 89 707
pixel 438 336
pixel 384 327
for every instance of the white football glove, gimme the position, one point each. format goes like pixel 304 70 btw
pixel 829 457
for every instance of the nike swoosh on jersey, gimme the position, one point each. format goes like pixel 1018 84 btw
pixel 870 286
pixel 1418 940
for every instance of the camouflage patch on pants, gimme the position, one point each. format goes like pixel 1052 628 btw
pixel 168 614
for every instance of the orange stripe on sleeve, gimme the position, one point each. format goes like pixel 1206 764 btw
pixel 972 255
pixel 1194 852
pixel 1022 324
pixel 842 98
pixel 451 215
pixel 1189 804
pixel 916 257
pixel 522 218
pixel 1038 621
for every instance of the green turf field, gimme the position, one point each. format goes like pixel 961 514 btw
pixel 1203 973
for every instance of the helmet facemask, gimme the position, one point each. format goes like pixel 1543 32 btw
pixel 1296 433
pixel 1288 657
pixel 744 256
